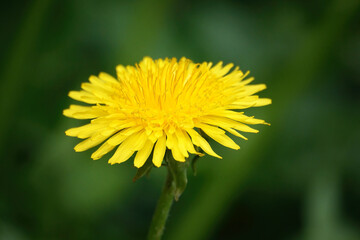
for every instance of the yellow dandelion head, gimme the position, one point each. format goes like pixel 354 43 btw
pixel 163 104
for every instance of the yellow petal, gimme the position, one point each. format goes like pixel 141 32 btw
pixel 82 112
pixel 251 89
pixel 221 71
pixel 159 151
pixel 198 140
pixel 102 150
pixel 101 93
pixel 122 124
pixel 170 140
pixel 117 139
pixel 96 81
pixel 83 96
pixel 184 139
pixel 121 155
pixel 143 154
pixel 227 121
pixel 250 120
pixel 140 140
pixel 89 143
pixel 246 81
pixel 177 154
pixel 121 136
pixel 262 102
pixel 234 132
pixel 84 131
pixel 104 133
pixel 132 130
pixel 180 146
pixel 108 78
pixel 245 128
pixel 127 147
pixel 218 136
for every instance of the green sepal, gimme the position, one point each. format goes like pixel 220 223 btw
pixel 178 171
pixel 193 164
pixel 195 159
pixel 144 170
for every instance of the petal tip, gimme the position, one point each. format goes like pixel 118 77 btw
pixel 76 148
pixel 157 164
pixel 66 112
pixel 137 165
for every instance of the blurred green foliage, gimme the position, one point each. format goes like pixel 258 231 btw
pixel 298 179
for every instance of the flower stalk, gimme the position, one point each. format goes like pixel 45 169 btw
pixel 162 209
pixel 175 185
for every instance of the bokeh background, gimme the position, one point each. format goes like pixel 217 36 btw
pixel 298 179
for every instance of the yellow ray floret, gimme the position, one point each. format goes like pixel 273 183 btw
pixel 164 104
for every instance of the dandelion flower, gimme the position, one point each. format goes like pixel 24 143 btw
pixel 163 104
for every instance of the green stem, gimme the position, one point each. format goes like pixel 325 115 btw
pixel 162 209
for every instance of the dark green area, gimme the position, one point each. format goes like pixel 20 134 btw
pixel 297 179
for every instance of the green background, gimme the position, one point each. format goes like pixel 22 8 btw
pixel 298 179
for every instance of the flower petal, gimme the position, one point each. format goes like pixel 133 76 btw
pixel 180 146
pixel 102 150
pixel 184 139
pixel 198 140
pixel 83 96
pixel 84 131
pixel 89 143
pixel 83 112
pixel 128 147
pixel 178 156
pixel 143 154
pixel 121 136
pixel 219 136
pixel 159 151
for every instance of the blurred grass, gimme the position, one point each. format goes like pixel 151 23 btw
pixel 20 54
pixel 297 179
